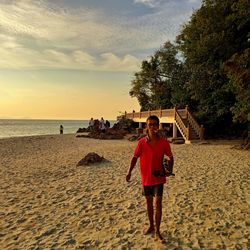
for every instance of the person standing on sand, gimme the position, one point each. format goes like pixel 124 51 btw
pixel 61 129
pixel 151 150
pixel 91 124
pixel 102 125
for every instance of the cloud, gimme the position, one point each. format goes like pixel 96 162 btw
pixel 83 58
pixel 26 58
pixel 150 3
pixel 194 1
pixel 8 42
pixel 40 34
pixel 56 26
pixel 112 61
pixel 37 36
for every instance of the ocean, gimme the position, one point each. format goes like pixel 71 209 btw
pixel 30 127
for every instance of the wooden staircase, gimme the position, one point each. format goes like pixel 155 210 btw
pixel 188 126
pixel 182 118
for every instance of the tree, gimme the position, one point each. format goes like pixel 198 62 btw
pixel 215 32
pixel 175 75
pixel 160 82
pixel 208 69
pixel 238 68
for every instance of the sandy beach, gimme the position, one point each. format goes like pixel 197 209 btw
pixel 46 202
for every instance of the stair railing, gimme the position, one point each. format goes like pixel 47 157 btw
pixel 181 125
pixel 178 117
pixel 199 130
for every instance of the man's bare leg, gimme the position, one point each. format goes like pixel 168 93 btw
pixel 150 210
pixel 158 215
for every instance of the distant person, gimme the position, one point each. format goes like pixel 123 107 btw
pixel 107 124
pixel 91 124
pixel 151 150
pixel 102 125
pixel 61 129
pixel 96 124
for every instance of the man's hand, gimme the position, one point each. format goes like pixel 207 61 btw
pixel 132 165
pixel 128 176
pixel 169 174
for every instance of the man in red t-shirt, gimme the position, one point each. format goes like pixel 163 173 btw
pixel 151 151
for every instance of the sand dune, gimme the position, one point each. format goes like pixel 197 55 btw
pixel 46 202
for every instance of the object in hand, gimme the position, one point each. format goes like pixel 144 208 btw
pixel 158 173
pixel 166 170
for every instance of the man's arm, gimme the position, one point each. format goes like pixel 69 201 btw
pixel 132 165
pixel 170 159
pixel 171 163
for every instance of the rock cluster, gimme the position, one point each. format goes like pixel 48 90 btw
pixel 82 130
pixel 118 131
pixel 136 137
pixel 245 142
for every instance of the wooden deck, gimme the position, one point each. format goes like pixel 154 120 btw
pixel 181 119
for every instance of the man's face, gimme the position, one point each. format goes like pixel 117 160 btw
pixel 152 126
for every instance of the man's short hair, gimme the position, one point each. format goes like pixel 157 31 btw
pixel 154 118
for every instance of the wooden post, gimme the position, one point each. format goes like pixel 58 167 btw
pixel 202 132
pixel 174 131
pixel 125 114
pixel 160 112
pixel 174 112
pixel 188 132
pixel 187 110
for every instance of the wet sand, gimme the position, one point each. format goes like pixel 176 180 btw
pixel 46 202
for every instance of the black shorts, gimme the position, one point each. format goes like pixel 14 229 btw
pixel 156 190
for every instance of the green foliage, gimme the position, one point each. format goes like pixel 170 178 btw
pixel 214 34
pixel 238 68
pixel 125 122
pixel 208 69
pixel 161 81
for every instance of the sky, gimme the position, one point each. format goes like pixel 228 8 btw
pixel 62 59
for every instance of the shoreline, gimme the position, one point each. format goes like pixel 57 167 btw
pixel 206 141
pixel 48 202
pixel 44 135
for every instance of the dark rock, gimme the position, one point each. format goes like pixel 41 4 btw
pixel 118 131
pixel 125 125
pixel 79 135
pixel 136 137
pixel 90 158
pixel 108 135
pixel 82 130
pixel 178 141
pixel 245 143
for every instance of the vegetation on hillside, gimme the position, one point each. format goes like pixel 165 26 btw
pixel 207 68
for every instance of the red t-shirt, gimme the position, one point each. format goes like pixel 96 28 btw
pixel 151 158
